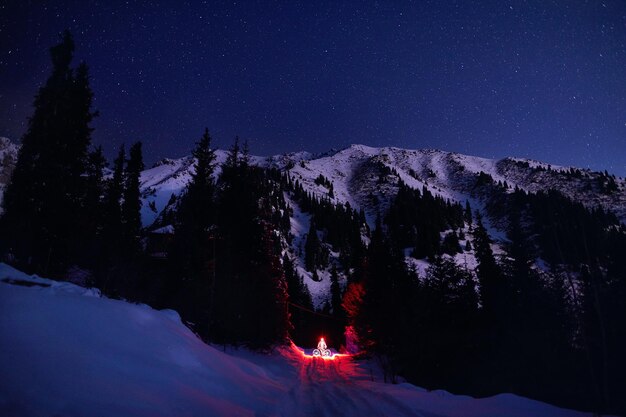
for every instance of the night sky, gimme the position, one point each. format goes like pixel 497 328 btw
pixel 540 79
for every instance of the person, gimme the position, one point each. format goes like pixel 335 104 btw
pixel 322 345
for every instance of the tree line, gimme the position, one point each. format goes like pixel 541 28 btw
pixel 60 213
pixel 65 217
pixel 553 332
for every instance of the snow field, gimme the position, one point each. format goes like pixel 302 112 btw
pixel 67 351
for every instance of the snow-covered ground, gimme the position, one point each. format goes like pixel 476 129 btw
pixel 67 351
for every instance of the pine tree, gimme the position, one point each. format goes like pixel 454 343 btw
pixel 488 271
pixel 250 290
pixel 300 298
pixel 195 215
pixel 245 155
pixel 131 206
pixel 201 185
pixel 43 204
pixel 495 312
pixel 233 159
pixel 114 190
pixel 448 319
pixel 95 185
pixel 193 249
pixel 451 244
pixel 120 262
pixel 386 302
pixel 467 216
pixel 335 292
pixel 315 276
pixel 268 317
pixel 538 349
pixel 93 226
pixel 312 248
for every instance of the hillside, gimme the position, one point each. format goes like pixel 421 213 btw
pixel 356 176
pixel 430 261
pixel 368 178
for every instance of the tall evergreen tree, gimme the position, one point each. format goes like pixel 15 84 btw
pixel 267 318
pixel 488 271
pixel 336 329
pixel 195 214
pixel 43 204
pixel 300 298
pixel 386 306
pixel 467 214
pixel 131 205
pixel 495 312
pixel 93 226
pixel 312 248
pixel 447 319
pixel 193 249
pixel 250 291
pixel 113 192
pixel 95 185
pixel 531 299
pixel 200 189
pixel 335 292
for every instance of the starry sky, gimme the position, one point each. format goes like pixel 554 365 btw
pixel 543 79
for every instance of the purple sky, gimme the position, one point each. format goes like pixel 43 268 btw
pixel 540 79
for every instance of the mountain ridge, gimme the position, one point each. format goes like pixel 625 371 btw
pixel 447 174
pixel 444 173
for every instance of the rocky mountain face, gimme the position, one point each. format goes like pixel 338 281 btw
pixel 8 157
pixel 367 177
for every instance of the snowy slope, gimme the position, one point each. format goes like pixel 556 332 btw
pixel 450 175
pixel 356 175
pixel 359 177
pixel 170 176
pixel 367 177
pixel 67 351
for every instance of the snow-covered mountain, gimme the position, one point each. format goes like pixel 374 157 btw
pixel 368 178
pixel 140 353
pixel 356 176
pixel 361 176
pixel 66 350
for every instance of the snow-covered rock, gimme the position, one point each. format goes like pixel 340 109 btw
pixel 8 157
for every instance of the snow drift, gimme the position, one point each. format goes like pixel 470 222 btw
pixel 67 351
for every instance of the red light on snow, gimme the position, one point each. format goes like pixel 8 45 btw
pixel 321 352
pixel 317 352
